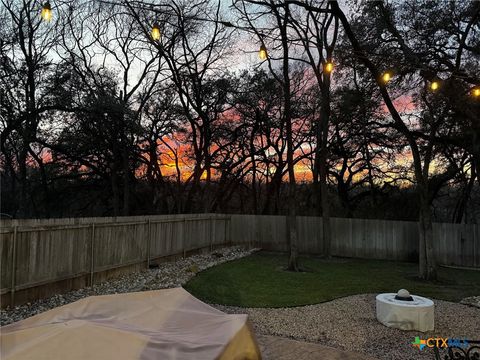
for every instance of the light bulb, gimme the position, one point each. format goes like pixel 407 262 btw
pixel 386 77
pixel 328 67
pixel 262 53
pixel 46 13
pixel 155 32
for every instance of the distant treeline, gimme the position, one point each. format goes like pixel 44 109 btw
pixel 93 198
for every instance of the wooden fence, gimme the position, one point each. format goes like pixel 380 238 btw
pixel 455 244
pixel 42 257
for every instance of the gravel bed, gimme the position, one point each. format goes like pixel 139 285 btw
pixel 347 323
pixel 167 275
pixel 472 300
pixel 350 323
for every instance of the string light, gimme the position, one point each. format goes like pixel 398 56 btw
pixel 328 67
pixel 434 85
pixel 262 53
pixel 387 76
pixel 156 32
pixel 46 13
pixel 476 92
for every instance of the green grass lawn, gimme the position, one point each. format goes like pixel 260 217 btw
pixel 260 280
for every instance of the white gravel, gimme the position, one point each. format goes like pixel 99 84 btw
pixel 167 275
pixel 347 323
pixel 350 323
pixel 472 301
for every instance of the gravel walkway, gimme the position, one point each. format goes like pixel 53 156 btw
pixel 167 275
pixel 350 324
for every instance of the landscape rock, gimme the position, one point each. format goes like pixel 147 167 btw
pixel 472 301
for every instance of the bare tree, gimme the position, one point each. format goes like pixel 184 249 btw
pixel 193 49
pixel 26 63
pixel 93 41
pixel 279 38
pixel 317 34
pixel 421 141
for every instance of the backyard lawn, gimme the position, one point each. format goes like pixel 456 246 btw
pixel 260 280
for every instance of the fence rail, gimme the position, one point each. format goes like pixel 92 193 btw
pixel 454 244
pixel 36 253
pixel 39 253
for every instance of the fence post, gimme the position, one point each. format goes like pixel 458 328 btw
pixel 149 236
pixel 225 242
pixel 256 232
pixel 92 254
pixel 184 238
pixel 476 242
pixel 211 222
pixel 230 238
pixel 14 267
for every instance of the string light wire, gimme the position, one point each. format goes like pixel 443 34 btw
pixel 46 14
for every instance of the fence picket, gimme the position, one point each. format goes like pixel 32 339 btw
pixel 29 246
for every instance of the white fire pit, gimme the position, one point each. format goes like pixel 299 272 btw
pixel 404 311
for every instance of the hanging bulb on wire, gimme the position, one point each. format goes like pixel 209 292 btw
pixel 262 53
pixel 156 33
pixel 476 92
pixel 328 67
pixel 434 85
pixel 387 76
pixel 46 13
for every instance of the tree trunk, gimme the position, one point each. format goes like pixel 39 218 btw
pixel 22 204
pixel 325 120
pixel 282 22
pixel 427 264
pixel 345 200
pixel 115 191
pixel 327 230
pixel 126 182
pixel 190 201
pixel 291 217
pixel 45 190
pixel 254 169
pixel 316 172
pixel 292 235
pixel 273 190
pixel 208 197
pixel 462 202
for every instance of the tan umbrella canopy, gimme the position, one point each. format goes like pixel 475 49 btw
pixel 152 325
